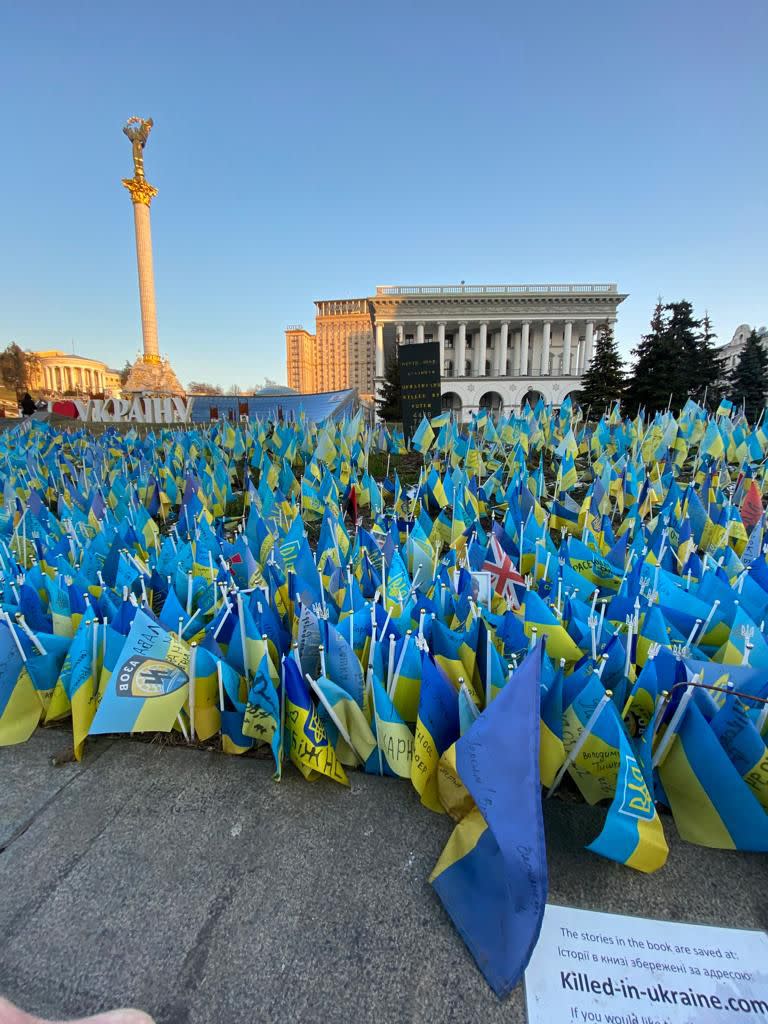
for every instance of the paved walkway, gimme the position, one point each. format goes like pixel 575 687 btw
pixel 190 885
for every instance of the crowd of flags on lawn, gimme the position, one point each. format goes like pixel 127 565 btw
pixel 549 599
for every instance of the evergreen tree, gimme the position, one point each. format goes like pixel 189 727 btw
pixel 388 401
pixel 710 367
pixel 603 383
pixel 645 387
pixel 675 361
pixel 748 383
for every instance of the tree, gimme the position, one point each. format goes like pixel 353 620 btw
pixel 125 372
pixel 388 400
pixel 603 383
pixel 674 362
pixel 19 369
pixel 710 367
pixel 199 388
pixel 644 387
pixel 748 383
pixel 234 389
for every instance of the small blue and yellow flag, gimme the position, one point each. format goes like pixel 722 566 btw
pixel 310 749
pixel 710 802
pixel 149 684
pixel 632 833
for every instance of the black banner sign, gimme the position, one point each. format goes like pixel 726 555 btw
pixel 419 383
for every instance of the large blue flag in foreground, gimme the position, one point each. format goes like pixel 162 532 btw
pixel 492 875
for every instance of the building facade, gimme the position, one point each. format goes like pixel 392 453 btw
pixel 731 353
pixel 340 354
pixel 500 345
pixel 300 359
pixel 60 372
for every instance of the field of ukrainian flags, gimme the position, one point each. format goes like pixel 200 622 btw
pixel 257 586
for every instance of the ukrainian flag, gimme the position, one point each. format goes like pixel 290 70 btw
pixel 262 712
pixel 551 749
pixel 407 686
pixel 632 833
pixel 310 749
pixel 744 746
pixel 81 685
pixel 203 671
pixel 559 643
pixel 340 711
pixel 492 875
pixel 710 802
pixel 395 739
pixel 149 684
pixel 437 727
pixel 20 704
pixel 596 767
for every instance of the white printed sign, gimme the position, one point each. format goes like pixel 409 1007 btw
pixel 591 968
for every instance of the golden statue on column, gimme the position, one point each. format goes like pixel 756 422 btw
pixel 149 374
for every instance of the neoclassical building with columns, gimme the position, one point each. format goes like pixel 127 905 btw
pixel 59 372
pixel 500 345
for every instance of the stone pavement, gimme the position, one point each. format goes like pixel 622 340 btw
pixel 190 885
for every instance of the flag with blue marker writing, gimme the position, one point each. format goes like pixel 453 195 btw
pixel 632 833
pixel 492 875
pixel 149 684
pixel 310 749
pixel 262 712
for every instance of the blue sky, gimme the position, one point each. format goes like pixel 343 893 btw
pixel 309 151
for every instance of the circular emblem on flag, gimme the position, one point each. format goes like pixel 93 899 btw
pixel 149 677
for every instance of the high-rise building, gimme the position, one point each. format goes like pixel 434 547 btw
pixel 340 354
pixel 300 359
pixel 345 355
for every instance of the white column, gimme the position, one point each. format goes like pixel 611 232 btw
pixel 482 347
pixel 579 358
pixel 379 350
pixel 567 334
pixel 526 330
pixel 419 334
pixel 441 343
pixel 588 339
pixel 502 353
pixel 461 345
pixel 146 281
pixel 546 334
pixel 400 333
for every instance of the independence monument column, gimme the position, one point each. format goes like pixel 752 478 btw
pixel 149 373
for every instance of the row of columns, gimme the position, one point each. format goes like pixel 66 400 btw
pixel 73 378
pixel 583 353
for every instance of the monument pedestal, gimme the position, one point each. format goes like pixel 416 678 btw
pixel 154 377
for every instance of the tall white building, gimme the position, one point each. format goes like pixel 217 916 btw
pixel 500 345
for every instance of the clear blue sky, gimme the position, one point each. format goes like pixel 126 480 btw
pixel 315 150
